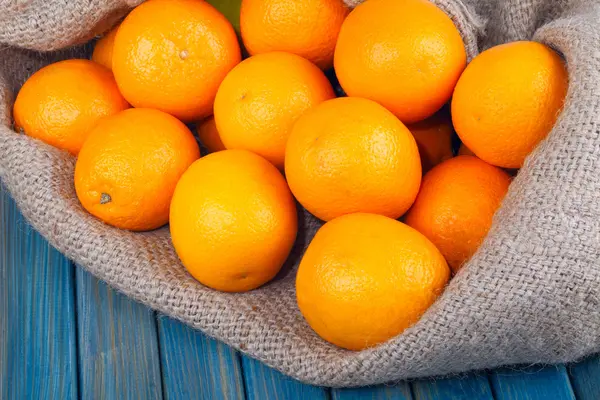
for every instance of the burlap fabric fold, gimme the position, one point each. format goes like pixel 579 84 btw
pixel 530 294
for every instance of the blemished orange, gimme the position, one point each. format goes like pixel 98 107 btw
pixel 308 28
pixel 456 204
pixel 365 278
pixel 434 139
pixel 128 167
pixel 62 102
pixel 350 155
pixel 103 49
pixel 233 220
pixel 406 55
pixel 209 136
pixel 172 55
pixel 261 98
pixel 507 101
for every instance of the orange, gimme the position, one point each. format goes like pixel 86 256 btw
pixel 62 102
pixel 172 55
pixel 365 278
pixel 308 28
pixel 103 50
pixel 233 220
pixel 507 101
pixel 352 155
pixel 128 167
pixel 434 139
pixel 209 136
pixel 455 206
pixel 406 55
pixel 261 99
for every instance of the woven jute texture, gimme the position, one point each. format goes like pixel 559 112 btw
pixel 530 294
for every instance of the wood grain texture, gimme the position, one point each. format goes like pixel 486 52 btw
pixel 118 346
pixel 195 366
pixel 263 383
pixel 465 387
pixel 532 383
pixel 37 313
pixel 399 391
pixel 585 378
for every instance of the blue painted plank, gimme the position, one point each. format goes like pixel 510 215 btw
pixel 117 341
pixel 263 382
pixel 464 387
pixel 532 383
pixel 37 313
pixel 399 391
pixel 585 378
pixel 195 366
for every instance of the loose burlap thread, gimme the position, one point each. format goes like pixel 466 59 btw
pixel 531 294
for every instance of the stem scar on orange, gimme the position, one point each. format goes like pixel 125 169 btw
pixel 128 167
pixel 172 55
pixel 261 98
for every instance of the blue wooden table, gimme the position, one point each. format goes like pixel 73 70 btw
pixel 66 335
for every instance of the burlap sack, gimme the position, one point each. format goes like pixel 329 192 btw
pixel 531 293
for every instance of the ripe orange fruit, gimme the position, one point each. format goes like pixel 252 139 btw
pixel 103 49
pixel 434 139
pixel 128 167
pixel 62 102
pixel 233 220
pixel 365 278
pixel 352 155
pixel 261 99
pixel 455 206
pixel 406 55
pixel 209 136
pixel 308 28
pixel 507 101
pixel 172 55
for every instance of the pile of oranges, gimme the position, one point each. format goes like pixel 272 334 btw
pixel 278 134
